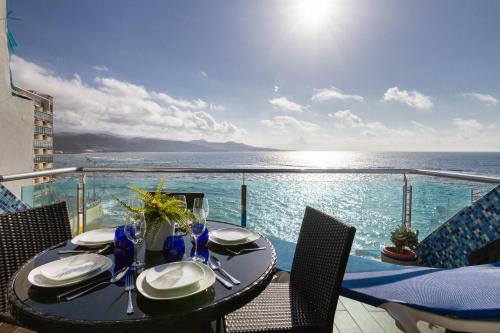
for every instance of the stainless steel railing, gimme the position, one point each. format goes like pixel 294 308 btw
pixel 433 173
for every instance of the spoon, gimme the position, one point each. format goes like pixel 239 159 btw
pixel 115 278
pixel 216 265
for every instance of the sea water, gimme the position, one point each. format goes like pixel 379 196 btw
pixel 276 202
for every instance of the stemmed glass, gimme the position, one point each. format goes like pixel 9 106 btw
pixel 181 198
pixel 198 225
pixel 135 230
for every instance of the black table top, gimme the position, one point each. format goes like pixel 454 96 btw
pixel 104 309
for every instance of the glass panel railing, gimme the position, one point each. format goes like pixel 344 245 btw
pixel 102 209
pixel 63 188
pixel 275 203
pixel 436 201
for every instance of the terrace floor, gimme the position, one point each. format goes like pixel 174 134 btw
pixel 357 317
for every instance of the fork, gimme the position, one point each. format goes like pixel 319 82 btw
pixel 129 286
pixel 246 250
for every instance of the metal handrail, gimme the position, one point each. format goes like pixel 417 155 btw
pixel 421 172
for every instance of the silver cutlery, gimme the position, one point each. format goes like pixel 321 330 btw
pixel 216 265
pixel 226 284
pixel 246 250
pixel 91 286
pixel 84 251
pixel 129 286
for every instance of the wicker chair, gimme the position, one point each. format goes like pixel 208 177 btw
pixel 23 235
pixel 308 302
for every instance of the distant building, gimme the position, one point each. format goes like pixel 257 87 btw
pixel 43 150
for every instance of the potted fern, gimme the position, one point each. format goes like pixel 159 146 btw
pixel 404 241
pixel 161 211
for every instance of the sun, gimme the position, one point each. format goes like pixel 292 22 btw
pixel 312 14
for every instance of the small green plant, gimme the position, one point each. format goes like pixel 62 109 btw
pixel 158 208
pixel 403 237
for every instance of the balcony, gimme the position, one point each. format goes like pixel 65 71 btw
pixel 271 201
pixel 43 116
pixel 43 130
pixel 43 159
pixel 43 144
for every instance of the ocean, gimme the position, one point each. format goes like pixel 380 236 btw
pixel 276 202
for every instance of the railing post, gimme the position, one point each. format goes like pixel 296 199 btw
pixel 243 203
pixel 80 204
pixel 403 217
pixel 407 203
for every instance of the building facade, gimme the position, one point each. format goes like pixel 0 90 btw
pixel 43 150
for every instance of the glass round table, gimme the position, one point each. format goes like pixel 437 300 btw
pixel 104 309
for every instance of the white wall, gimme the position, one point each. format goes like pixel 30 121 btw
pixel 16 120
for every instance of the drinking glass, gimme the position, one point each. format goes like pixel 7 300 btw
pixel 198 226
pixel 135 230
pixel 201 205
pixel 181 198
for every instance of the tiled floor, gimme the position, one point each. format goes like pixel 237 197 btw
pixel 356 317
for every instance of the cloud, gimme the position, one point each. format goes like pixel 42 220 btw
pixel 114 106
pixel 282 103
pixel 468 127
pixel 413 98
pixel 345 118
pixel 421 127
pixel 276 89
pixel 216 107
pixel 287 123
pixel 203 73
pixel 196 104
pixel 101 68
pixel 325 94
pixel 485 98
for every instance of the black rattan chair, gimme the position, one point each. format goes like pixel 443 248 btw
pixel 190 196
pixel 23 235
pixel 309 301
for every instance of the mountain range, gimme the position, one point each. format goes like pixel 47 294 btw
pixel 67 142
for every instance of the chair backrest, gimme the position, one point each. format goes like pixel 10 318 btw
pixel 190 196
pixel 472 228
pixel 320 261
pixel 26 233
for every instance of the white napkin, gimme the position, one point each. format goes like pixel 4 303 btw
pixel 71 267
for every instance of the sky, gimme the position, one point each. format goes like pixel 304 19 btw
pixel 382 75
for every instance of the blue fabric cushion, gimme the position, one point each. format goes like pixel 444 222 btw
pixel 471 292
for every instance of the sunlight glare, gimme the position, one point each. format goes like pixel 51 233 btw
pixel 312 14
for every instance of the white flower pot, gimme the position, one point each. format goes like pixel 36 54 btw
pixel 155 238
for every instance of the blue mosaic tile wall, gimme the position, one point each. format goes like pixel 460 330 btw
pixel 472 228
pixel 9 203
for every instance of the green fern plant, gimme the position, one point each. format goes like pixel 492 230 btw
pixel 158 208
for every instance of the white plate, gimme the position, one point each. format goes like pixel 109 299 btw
pixel 174 275
pixel 97 238
pixel 147 291
pixel 214 236
pixel 73 267
pixel 36 278
pixel 231 235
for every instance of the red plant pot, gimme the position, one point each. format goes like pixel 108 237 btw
pixel 407 255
